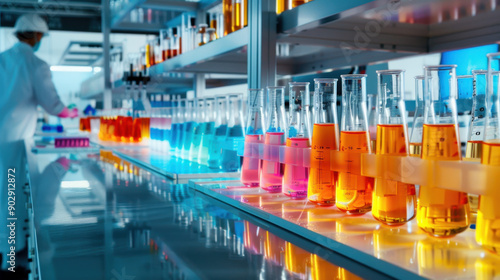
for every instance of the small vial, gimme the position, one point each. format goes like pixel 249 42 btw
pixel 238 15
pixel 211 35
pixel 354 192
pixel 201 34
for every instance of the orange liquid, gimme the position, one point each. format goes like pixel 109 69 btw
pixel 394 202
pixel 415 149
pixel 441 212
pixel 354 192
pixel 237 17
pixel 473 149
pixel 488 216
pixel 144 128
pixel 245 13
pixel 296 259
pixel 296 3
pixel 148 56
pixel 136 131
pixel 82 124
pixel 274 247
pixel 179 51
pixel 173 52
pixel 322 181
pixel 281 6
pixel 228 11
pixel 324 270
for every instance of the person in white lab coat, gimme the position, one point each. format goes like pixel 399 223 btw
pixel 25 83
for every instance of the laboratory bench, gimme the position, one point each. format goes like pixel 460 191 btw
pixel 115 212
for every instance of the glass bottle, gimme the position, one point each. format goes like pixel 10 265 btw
pixel 201 34
pixel 295 177
pixel 394 203
pixel 238 15
pixel 214 25
pixel 271 172
pixel 354 192
pixel 488 215
pixel 227 10
pixel 476 126
pixel 199 129
pixel 158 51
pixel 209 132
pixel 190 119
pixel 221 122
pixel 211 35
pixel 192 34
pixel 230 161
pixel 441 212
pixel 418 118
pixel 174 43
pixel 325 136
pixel 254 133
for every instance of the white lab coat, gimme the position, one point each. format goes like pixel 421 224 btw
pixel 25 83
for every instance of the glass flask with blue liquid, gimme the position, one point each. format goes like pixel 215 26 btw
pixel 230 161
pixel 217 143
pixel 189 126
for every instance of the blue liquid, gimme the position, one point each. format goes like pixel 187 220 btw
pixel 215 149
pixel 187 138
pixel 196 143
pixel 292 132
pixel 178 140
pixel 206 140
pixel 173 135
pixel 252 131
pixel 230 161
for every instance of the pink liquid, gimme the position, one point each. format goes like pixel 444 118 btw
pixel 271 173
pixel 250 166
pixel 295 178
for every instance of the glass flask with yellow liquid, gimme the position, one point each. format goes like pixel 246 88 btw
pixel 415 144
pixel 271 172
pixel 488 215
pixel 440 212
pixel 394 203
pixel 323 181
pixel 354 192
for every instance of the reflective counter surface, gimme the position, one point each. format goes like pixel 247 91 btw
pixel 105 218
pixel 409 251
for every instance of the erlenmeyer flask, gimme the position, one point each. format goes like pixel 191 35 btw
pixel 295 177
pixel 354 192
pixel 254 131
pixel 325 135
pixel 394 203
pixel 271 172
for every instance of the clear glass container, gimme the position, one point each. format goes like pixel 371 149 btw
pixel 201 34
pixel 418 118
pixel 209 133
pixel 231 162
pixel 221 128
pixel 478 115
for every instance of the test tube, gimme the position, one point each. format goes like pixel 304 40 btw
pixel 476 126
pixel 208 134
pixel 201 124
pixel 227 8
pixel 221 127
pixel 271 172
pixel 394 203
pixel 354 192
pixel 418 118
pixel 325 137
pixel 238 15
pixel 254 133
pixel 181 118
pixel 189 126
pixel 488 215
pixel 296 177
pixel 441 212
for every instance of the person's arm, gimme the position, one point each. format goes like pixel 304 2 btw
pixel 45 91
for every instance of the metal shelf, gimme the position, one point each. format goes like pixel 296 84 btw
pixel 226 55
pixel 366 31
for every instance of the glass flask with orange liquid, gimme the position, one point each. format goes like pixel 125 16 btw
pixel 296 177
pixel 253 134
pixel 393 203
pixel 271 172
pixel 488 215
pixel 227 10
pixel 440 212
pixel 325 135
pixel 354 192
pixel 418 118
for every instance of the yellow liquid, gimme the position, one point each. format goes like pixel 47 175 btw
pixel 441 213
pixel 296 259
pixel 488 216
pixel 238 17
pixel 393 202
pixel 474 149
pixel 281 6
pixel 148 56
pixel 354 192
pixel 227 6
pixel 415 149
pixel 324 270
pixel 322 181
